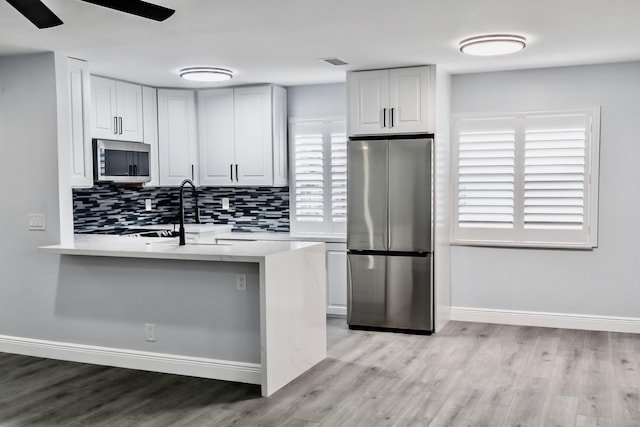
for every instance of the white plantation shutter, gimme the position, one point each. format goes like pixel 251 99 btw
pixel 318 177
pixel 486 176
pixel 527 179
pixel 554 172
pixel 309 177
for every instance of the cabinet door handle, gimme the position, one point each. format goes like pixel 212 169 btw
pixel 120 121
pixel 115 125
pixel 135 170
pixel 384 117
pixel 236 172
pixel 231 171
pixel 192 173
pixel 130 170
pixel 391 117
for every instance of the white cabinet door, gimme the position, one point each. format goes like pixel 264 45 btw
pixel 177 140
pixel 129 111
pixel 336 281
pixel 280 147
pixel 253 135
pixel 368 101
pixel 408 100
pixel 80 128
pixel 103 108
pixel 150 124
pixel 395 101
pixel 216 137
pixel 116 110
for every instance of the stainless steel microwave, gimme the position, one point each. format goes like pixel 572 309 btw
pixel 121 161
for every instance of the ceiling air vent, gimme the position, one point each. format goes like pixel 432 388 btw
pixel 334 61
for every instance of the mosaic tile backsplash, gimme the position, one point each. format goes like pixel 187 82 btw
pixel 251 209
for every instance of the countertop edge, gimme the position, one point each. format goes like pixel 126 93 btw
pixel 65 250
pixel 186 253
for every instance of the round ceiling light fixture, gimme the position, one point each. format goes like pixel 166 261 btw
pixel 206 74
pixel 493 44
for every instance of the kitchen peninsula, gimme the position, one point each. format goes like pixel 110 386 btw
pixel 265 303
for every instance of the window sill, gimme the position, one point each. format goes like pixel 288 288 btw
pixel 523 245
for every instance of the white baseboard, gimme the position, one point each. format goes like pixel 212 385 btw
pixel 250 373
pixel 548 320
pixel 336 311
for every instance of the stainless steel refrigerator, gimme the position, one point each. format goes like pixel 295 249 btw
pixel 389 259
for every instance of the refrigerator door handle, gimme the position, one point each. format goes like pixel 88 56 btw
pixel 388 204
pixel 349 290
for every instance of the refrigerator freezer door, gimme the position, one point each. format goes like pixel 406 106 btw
pixel 366 290
pixel 409 299
pixel 367 195
pixel 391 292
pixel 410 195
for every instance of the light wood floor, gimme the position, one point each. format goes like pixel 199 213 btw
pixel 470 374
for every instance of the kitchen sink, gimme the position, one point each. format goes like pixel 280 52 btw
pixel 173 243
pixel 153 233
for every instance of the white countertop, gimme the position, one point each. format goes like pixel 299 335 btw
pixel 168 248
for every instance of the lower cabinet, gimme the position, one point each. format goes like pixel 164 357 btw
pixel 336 279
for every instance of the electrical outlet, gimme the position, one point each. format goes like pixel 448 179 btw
pixel 147 205
pixel 225 203
pixel 150 331
pixel 36 222
pixel 241 282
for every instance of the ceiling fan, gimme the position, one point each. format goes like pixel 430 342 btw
pixel 42 17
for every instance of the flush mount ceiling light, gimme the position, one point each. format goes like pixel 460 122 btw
pixel 493 44
pixel 206 74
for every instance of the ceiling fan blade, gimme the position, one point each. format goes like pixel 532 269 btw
pixel 36 12
pixel 136 7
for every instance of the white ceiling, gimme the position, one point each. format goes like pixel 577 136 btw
pixel 281 41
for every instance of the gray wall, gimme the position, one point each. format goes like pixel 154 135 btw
pixel 317 101
pixel 604 281
pixel 29 176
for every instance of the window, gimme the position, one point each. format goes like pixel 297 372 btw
pixel 526 179
pixel 318 176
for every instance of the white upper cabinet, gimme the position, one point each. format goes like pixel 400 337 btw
pixel 394 101
pixel 150 123
pixel 253 135
pixel 116 110
pixel 177 141
pixel 216 137
pixel 242 138
pixel 280 147
pixel 80 129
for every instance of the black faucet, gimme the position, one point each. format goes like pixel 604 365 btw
pixel 195 196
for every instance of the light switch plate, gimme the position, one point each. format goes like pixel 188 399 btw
pixel 241 282
pixel 147 204
pixel 36 222
pixel 225 203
